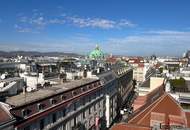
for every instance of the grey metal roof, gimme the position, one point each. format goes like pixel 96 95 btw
pixel 26 98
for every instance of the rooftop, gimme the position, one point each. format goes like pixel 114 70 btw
pixel 5 115
pixel 10 79
pixel 22 99
pixel 157 112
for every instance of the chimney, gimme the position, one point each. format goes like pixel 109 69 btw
pixel 98 70
pixel 24 89
pixel 85 73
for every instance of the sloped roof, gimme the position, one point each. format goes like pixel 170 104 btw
pixel 124 126
pixel 5 115
pixel 164 106
pixel 188 118
pixel 143 101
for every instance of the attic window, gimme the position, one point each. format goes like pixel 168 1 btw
pixel 98 83
pixel 63 97
pixel 40 106
pixel 83 89
pixel 53 101
pixel 25 112
pixel 93 85
pixel 90 86
pixel 74 93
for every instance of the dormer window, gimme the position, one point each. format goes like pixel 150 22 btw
pixel 74 93
pixel 40 106
pixel 63 97
pixel 52 101
pixel 83 89
pixel 90 86
pixel 25 112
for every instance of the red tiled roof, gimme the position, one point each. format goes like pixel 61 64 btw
pixel 164 109
pixel 129 127
pixel 111 60
pixel 136 60
pixel 188 118
pixel 148 99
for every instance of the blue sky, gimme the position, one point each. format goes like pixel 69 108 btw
pixel 127 27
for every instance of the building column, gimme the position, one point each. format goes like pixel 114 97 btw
pixel 107 111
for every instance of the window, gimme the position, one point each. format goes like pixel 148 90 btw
pixel 100 113
pixel 95 95
pixel 74 93
pixel 54 117
pixel 52 101
pixel 27 128
pixel 83 89
pixel 75 106
pixel 94 107
pixel 98 104
pixel 63 97
pixel 89 111
pixel 40 106
pixel 42 124
pixel 64 112
pixel 84 115
pixel 82 102
pixel 89 98
pixel 75 121
pixel 89 86
pixel 25 112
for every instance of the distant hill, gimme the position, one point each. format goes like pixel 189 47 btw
pixel 36 54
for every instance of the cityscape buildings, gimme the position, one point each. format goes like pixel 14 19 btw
pixel 136 78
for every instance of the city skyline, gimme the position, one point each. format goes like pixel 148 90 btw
pixel 118 27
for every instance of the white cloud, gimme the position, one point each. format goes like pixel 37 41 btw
pixel 38 21
pixel 23 19
pixel 125 22
pixel 167 32
pixel 23 29
pixel 56 21
pixel 99 22
pixel 161 42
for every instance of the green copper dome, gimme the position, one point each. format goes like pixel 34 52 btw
pixel 97 53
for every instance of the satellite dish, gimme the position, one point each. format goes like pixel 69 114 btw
pixel 28 89
pixel 3 76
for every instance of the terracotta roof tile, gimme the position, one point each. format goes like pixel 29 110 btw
pixel 188 118
pixel 129 127
pixel 163 109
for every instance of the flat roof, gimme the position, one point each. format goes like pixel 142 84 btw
pixel 22 99
pixel 10 79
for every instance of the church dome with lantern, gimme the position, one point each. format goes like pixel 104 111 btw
pixel 97 53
